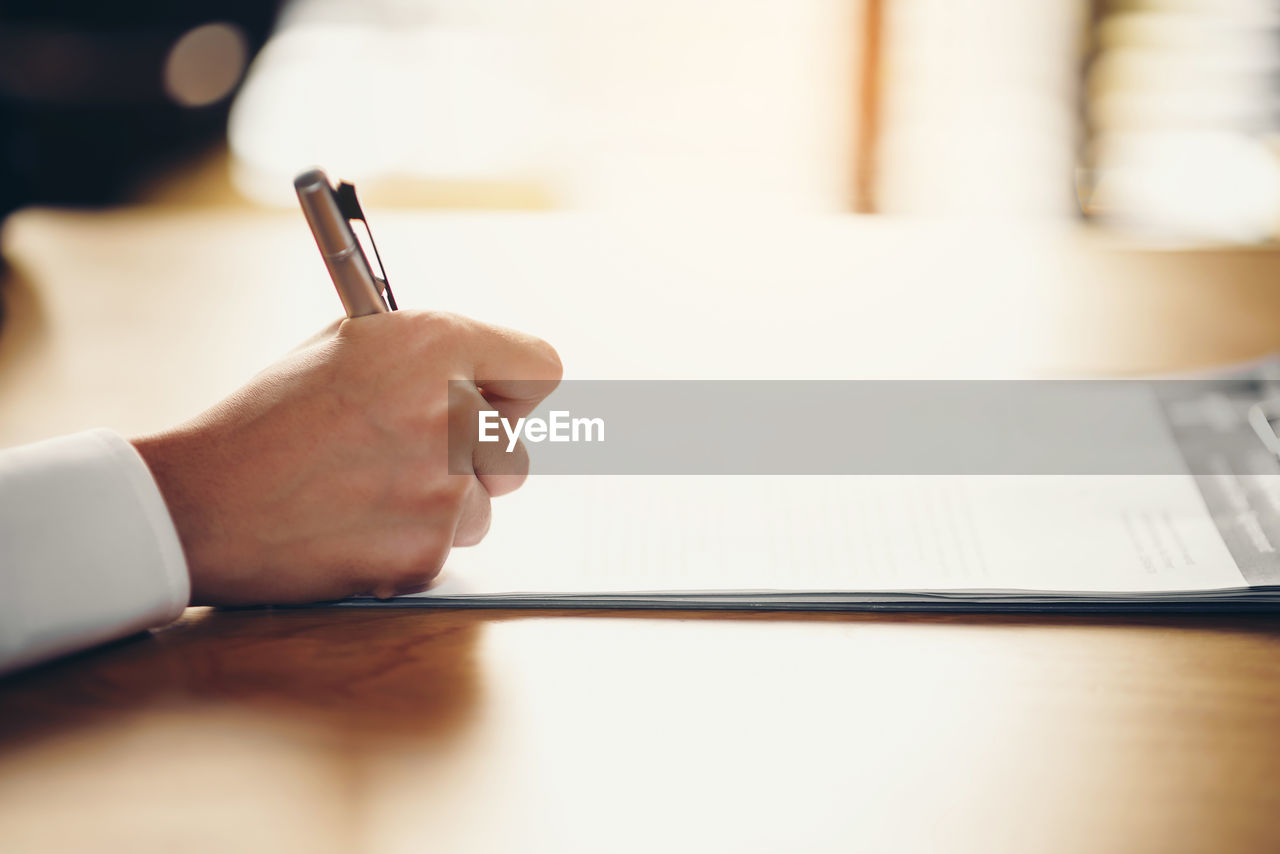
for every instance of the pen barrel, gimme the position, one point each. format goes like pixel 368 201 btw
pixel 359 290
pixel 353 279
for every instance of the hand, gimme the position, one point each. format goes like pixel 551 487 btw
pixel 328 475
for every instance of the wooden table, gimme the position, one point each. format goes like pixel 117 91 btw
pixel 321 730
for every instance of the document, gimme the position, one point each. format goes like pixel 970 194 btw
pixel 1207 535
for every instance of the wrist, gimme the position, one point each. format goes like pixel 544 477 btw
pixel 177 472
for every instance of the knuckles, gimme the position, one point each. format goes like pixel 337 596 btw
pixel 453 488
pixel 437 330
pixel 434 331
pixel 425 492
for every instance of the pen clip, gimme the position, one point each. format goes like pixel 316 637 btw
pixel 349 207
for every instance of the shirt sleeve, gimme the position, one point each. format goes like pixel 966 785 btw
pixel 88 551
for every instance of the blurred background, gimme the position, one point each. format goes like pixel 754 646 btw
pixel 1153 117
pixel 875 188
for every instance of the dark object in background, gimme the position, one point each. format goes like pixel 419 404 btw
pixel 95 94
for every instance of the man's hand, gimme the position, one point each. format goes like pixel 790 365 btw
pixel 328 475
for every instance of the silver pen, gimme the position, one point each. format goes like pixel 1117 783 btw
pixel 329 213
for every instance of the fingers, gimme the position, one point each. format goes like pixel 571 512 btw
pixel 513 373
pixel 510 365
pixel 487 368
pixel 499 466
pixel 411 556
pixel 476 515
pixel 513 408
pixel 513 368
pixel 500 471
pixel 418 558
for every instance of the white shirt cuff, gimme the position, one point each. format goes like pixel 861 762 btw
pixel 88 551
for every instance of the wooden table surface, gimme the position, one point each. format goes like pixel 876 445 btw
pixel 319 730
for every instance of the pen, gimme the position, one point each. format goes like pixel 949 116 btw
pixel 329 213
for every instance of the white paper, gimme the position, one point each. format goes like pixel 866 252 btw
pixel 614 534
